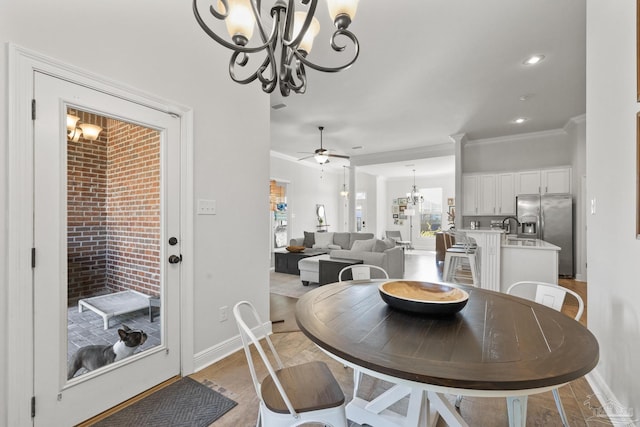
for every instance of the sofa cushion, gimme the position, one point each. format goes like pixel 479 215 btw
pixel 309 239
pixel 383 245
pixel 363 245
pixel 323 239
pixel 342 239
pixel 359 236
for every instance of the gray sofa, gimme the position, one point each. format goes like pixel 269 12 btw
pixel 369 250
pixel 338 240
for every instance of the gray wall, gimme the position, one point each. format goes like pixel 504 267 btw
pixel 613 249
pixel 519 152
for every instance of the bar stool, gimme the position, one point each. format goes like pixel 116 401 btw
pixel 462 259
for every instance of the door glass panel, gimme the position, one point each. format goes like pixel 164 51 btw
pixel 113 241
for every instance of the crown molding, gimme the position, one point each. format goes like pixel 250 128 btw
pixel 517 137
pixel 424 152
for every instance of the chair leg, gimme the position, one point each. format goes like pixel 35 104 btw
pixel 563 415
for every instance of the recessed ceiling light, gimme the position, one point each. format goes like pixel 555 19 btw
pixel 357 147
pixel 533 59
pixel 278 106
pixel 520 120
pixel 525 97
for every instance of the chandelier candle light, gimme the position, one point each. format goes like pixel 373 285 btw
pixel 292 33
pixel 344 192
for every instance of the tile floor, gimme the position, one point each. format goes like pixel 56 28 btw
pixel 87 328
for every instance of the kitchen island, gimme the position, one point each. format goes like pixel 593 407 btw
pixel 505 260
pixel 527 259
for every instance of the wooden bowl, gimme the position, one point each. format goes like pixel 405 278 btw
pixel 423 297
pixel 295 248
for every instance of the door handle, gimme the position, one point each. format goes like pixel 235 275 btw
pixel 175 259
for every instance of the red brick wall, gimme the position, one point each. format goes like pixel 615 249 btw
pixel 133 208
pixel 113 210
pixel 86 212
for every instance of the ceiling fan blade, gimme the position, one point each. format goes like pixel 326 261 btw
pixel 338 155
pixel 307 157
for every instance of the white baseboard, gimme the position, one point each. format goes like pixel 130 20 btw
pixel 618 415
pixel 224 349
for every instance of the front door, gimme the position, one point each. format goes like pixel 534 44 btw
pixel 107 249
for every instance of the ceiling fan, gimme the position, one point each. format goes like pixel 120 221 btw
pixel 322 154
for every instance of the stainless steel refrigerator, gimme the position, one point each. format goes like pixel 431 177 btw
pixel 549 218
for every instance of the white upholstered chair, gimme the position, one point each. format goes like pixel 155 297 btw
pixel 289 396
pixel 552 296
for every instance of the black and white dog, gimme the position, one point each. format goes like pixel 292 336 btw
pixel 96 356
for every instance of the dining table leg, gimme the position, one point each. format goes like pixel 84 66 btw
pixel 517 411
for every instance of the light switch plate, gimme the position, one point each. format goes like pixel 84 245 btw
pixel 206 207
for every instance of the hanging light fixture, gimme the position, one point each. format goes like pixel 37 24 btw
pixel 414 197
pixel 292 33
pixel 76 129
pixel 344 192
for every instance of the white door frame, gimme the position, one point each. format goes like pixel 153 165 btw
pixel 22 65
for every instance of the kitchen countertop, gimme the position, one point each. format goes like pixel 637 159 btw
pixel 529 244
pixel 482 230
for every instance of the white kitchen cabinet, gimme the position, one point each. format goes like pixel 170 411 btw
pixel 487 195
pixel 505 194
pixel 470 194
pixel 544 181
pixel 556 181
pixel 528 182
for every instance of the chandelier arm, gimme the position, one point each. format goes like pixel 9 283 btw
pixel 222 41
pixel 288 31
pixel 337 48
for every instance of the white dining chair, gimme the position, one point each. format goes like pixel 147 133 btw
pixel 294 395
pixel 362 271
pixel 552 296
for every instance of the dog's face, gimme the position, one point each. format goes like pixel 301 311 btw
pixel 132 337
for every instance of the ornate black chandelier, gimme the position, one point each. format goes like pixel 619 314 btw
pixel 292 33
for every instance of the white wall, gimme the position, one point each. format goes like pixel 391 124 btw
pixel 613 250
pixel 308 185
pixel 159 48
pixel 518 152
pixel 400 187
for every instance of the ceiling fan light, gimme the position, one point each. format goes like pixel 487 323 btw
pixel 314 28
pixel 240 20
pixel 321 158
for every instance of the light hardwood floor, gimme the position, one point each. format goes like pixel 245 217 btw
pixel 231 375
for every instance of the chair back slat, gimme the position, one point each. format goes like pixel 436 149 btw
pixel 248 337
pixel 362 271
pixel 550 295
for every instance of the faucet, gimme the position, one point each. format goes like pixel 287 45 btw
pixel 508 227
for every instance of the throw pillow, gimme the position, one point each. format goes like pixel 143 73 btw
pixel 343 239
pixel 382 245
pixel 323 240
pixel 363 245
pixel 309 239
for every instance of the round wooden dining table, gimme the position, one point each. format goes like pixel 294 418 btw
pixel 498 345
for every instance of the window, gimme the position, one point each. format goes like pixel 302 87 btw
pixel 431 212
